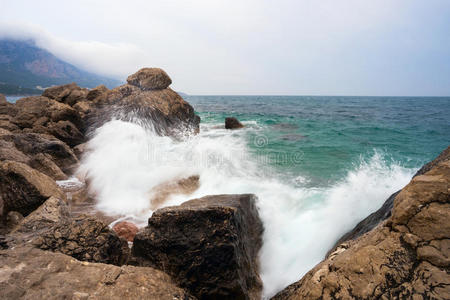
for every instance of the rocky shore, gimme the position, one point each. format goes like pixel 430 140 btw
pixel 53 245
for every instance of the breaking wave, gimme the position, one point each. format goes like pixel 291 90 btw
pixel 125 162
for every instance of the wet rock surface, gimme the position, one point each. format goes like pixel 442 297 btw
pixel 232 123
pixel 404 257
pixel 126 230
pixel 209 245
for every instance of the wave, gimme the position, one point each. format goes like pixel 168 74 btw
pixel 125 162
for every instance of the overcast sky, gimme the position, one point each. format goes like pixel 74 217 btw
pixel 303 47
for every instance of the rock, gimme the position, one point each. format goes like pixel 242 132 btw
pixel 368 223
pixel 8 151
pixel 232 123
pixel 2 99
pixel 53 211
pixel 84 108
pixel 43 163
pixel 7 108
pixel 37 114
pixel 68 94
pixel 39 110
pixel 33 143
pixel 23 189
pixel 150 79
pixel 96 92
pixel 144 98
pixel 85 238
pixel 80 149
pixel 404 257
pixel 161 110
pixel 30 273
pixel 126 230
pixel 208 245
pixel 13 218
pixel 66 132
pixel 6 124
pixel 444 156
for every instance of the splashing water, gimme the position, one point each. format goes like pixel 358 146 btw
pixel 125 161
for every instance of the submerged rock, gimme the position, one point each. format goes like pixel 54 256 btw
pixel 232 123
pixel 150 79
pixel 30 273
pixel 404 257
pixel 209 245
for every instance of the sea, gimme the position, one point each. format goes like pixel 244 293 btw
pixel 318 165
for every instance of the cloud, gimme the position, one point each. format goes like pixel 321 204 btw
pixel 115 60
pixel 251 47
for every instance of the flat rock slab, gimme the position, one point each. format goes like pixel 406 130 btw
pixel 29 273
pixel 208 245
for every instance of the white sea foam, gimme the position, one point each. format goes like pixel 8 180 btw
pixel 125 162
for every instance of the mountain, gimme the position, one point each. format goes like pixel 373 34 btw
pixel 26 68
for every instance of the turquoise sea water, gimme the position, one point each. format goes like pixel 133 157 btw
pixel 317 165
pixel 329 135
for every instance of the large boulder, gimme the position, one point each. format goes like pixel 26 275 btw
pixel 404 257
pixel 143 99
pixel 209 245
pixel 2 99
pixel 150 79
pixel 85 238
pixel 163 111
pixel 23 189
pixel 29 273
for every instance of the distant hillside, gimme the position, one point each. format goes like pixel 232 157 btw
pixel 24 68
